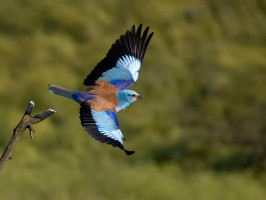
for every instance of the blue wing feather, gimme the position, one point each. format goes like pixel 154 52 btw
pixel 124 74
pixel 107 124
pixel 122 62
pixel 102 126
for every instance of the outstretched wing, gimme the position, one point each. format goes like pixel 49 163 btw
pixel 102 126
pixel 121 65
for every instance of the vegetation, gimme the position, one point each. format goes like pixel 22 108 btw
pixel 200 132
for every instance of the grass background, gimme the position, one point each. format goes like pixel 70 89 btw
pixel 200 132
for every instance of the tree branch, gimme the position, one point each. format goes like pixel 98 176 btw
pixel 26 122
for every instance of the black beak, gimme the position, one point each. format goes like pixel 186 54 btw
pixel 140 96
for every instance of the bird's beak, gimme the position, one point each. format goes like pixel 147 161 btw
pixel 140 96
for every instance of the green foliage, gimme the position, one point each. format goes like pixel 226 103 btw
pixel 200 132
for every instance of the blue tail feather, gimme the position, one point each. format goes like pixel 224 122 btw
pixel 80 96
pixel 76 96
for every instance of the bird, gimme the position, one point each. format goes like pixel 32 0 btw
pixel 106 87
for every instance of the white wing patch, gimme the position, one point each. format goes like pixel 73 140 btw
pixel 130 63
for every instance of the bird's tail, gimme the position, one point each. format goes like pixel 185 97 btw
pixel 60 91
pixel 75 95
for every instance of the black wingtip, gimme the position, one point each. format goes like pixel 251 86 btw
pixel 133 29
pixel 129 152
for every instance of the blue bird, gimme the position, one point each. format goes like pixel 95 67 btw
pixel 106 87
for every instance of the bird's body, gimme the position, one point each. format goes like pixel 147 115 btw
pixel 106 88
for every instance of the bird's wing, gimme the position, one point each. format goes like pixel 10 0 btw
pixel 102 126
pixel 121 65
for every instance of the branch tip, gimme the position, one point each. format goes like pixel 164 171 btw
pixel 51 110
pixel 30 108
pixel 32 103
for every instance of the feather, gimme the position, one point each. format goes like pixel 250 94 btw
pixel 132 44
pixel 102 126
pixel 60 91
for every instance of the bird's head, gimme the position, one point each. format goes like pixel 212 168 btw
pixel 126 97
pixel 132 95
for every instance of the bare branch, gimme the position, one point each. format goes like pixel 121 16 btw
pixel 26 122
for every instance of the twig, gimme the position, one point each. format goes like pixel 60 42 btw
pixel 26 122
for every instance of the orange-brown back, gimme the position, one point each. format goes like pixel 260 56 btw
pixel 105 96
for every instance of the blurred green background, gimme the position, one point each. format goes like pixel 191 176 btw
pixel 200 132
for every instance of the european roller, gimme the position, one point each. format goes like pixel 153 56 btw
pixel 107 85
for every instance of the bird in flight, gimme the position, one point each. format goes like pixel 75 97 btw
pixel 107 86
